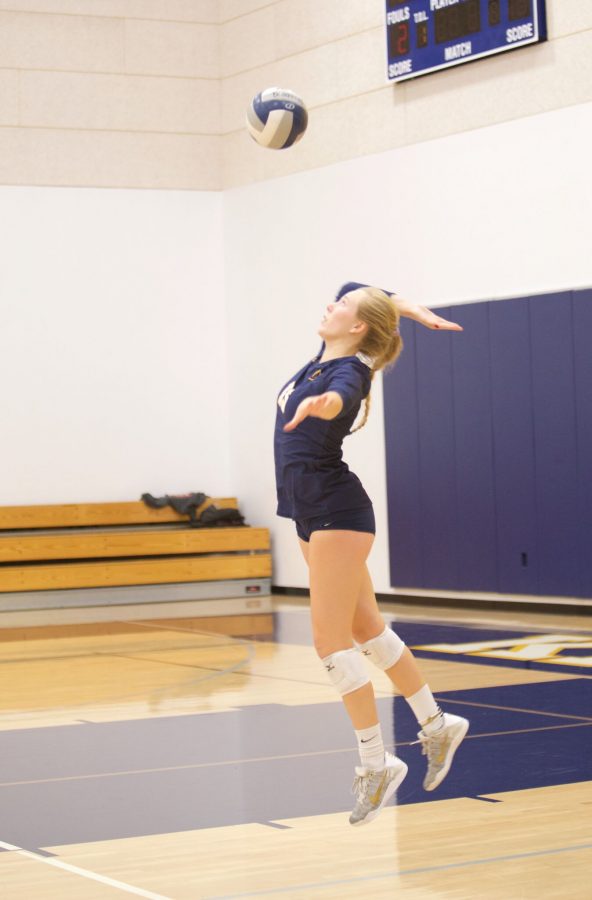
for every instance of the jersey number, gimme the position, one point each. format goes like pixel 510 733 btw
pixel 285 395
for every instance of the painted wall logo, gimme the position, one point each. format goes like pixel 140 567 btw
pixel 550 649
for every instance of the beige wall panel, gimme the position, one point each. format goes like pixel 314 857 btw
pixel 232 9
pixel 460 99
pixel 248 42
pixel 177 10
pixel 338 70
pixel 171 48
pixel 29 41
pixel 568 16
pixel 9 102
pixel 538 79
pixel 108 159
pixel 124 103
pixel 291 27
pixel 302 24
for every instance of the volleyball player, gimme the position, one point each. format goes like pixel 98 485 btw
pixel 335 527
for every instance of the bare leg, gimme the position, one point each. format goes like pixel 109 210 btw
pixel 368 624
pixel 337 567
pixel 442 740
pixel 337 563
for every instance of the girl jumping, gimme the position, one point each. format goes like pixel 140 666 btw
pixel 335 526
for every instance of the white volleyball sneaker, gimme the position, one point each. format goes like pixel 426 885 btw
pixel 440 747
pixel 373 789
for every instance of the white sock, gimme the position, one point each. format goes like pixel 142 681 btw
pixel 370 747
pixel 426 710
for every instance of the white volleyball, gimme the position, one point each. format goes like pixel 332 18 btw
pixel 277 118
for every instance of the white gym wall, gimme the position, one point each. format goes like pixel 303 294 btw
pixel 113 365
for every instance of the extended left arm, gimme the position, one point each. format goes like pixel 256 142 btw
pixel 322 406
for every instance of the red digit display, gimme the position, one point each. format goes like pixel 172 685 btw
pixel 402 40
pixel 398 39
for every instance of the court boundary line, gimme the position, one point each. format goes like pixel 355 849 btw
pixel 84 873
pixel 380 693
pixel 398 873
pixel 517 709
pixel 66 657
pixel 234 669
pixel 261 759
pixel 227 640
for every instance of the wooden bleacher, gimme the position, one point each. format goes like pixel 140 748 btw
pixel 96 553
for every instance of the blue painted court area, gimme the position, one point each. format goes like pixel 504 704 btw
pixel 521 736
pixel 92 782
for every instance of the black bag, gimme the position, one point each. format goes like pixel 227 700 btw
pixel 188 504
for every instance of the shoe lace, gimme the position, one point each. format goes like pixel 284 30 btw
pixel 430 743
pixel 360 786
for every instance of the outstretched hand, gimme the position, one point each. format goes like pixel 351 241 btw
pixel 323 406
pixel 427 317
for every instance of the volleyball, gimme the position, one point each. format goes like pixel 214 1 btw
pixel 277 118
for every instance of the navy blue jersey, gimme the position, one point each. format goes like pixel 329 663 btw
pixel 311 477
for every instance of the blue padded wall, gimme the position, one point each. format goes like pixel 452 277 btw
pixel 488 447
pixel 513 447
pixel 553 400
pixel 582 321
pixel 401 434
pixel 475 487
pixel 437 462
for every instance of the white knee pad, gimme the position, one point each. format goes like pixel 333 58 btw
pixel 385 650
pixel 347 670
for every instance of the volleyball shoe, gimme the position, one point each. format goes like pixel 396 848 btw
pixel 440 747
pixel 373 789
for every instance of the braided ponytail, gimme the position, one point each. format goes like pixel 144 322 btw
pixel 382 341
pixel 367 401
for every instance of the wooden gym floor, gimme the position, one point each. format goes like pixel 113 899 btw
pixel 172 759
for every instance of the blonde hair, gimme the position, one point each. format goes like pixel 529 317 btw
pixel 382 341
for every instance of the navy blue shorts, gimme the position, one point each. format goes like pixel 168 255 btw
pixel 344 520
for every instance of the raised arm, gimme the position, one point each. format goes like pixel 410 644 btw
pixel 424 316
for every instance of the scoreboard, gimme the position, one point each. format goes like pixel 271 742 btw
pixel 426 35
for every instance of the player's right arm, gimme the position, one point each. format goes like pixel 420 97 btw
pixel 424 316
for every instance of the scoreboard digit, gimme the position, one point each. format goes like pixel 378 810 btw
pixel 427 35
